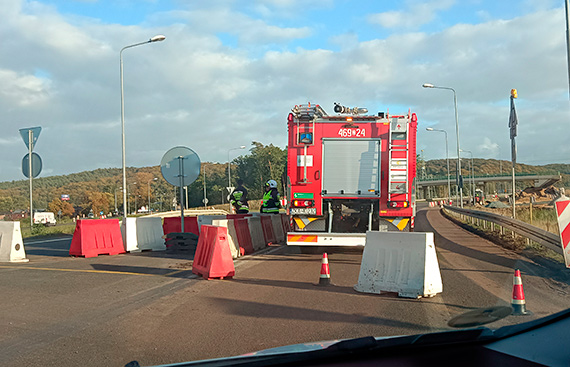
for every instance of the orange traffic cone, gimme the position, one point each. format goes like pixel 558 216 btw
pixel 325 278
pixel 518 302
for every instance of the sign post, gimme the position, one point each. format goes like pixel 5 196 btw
pixel 180 166
pixel 30 136
pixel 513 122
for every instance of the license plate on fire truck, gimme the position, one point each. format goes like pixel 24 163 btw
pixel 305 211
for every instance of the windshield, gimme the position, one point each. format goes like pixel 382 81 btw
pixel 307 219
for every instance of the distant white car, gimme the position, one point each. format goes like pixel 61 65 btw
pixel 47 218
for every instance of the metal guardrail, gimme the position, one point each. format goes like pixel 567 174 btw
pixel 538 235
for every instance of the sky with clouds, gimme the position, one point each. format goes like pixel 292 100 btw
pixel 229 71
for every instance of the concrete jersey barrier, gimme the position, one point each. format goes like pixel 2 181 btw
pixel 277 228
pixel 256 232
pixel 400 262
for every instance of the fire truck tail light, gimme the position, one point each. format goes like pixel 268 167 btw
pixel 290 117
pixel 303 203
pixel 398 204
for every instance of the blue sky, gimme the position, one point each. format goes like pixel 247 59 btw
pixel 229 71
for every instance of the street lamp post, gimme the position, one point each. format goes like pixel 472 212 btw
pixel 153 39
pixel 116 209
pixel 472 174
pixel 447 159
pixel 128 206
pixel 459 180
pixel 230 175
pixel 136 205
pixel 205 199
pixel 148 183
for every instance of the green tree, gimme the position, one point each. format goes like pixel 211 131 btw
pixel 265 162
pixel 66 208
pixel 99 201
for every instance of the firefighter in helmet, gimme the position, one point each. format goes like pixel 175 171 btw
pixel 239 198
pixel 271 201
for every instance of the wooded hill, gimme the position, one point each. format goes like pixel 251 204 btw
pixel 96 190
pixel 489 167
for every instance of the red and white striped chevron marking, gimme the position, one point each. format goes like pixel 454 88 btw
pixel 563 212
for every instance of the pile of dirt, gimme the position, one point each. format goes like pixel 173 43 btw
pixel 539 194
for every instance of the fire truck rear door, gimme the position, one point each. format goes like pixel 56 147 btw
pixel 351 167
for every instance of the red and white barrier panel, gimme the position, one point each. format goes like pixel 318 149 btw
pixel 563 211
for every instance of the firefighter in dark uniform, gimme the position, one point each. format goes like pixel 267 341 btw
pixel 239 198
pixel 271 201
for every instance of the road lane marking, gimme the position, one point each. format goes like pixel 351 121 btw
pixel 92 271
pixel 47 240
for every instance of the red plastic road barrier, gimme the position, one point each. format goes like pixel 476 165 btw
pixel 213 258
pixel 237 216
pixel 93 237
pixel 267 228
pixel 518 302
pixel 172 225
pixel 325 278
pixel 286 223
pixel 243 235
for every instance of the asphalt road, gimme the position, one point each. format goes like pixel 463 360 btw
pixel 109 310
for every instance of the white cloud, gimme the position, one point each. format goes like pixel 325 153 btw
pixel 22 90
pixel 194 90
pixel 415 14
pixel 487 148
pixel 249 31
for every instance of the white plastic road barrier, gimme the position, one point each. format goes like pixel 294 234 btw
pixel 400 262
pixel 11 243
pixel 256 232
pixel 278 228
pixel 143 234
pixel 232 236
pixel 208 220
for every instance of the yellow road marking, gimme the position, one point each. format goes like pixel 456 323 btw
pixel 91 271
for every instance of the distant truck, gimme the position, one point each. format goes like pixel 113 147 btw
pixel 46 218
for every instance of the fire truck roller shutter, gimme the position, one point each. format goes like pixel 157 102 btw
pixel 351 167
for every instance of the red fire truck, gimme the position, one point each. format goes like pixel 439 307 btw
pixel 349 173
